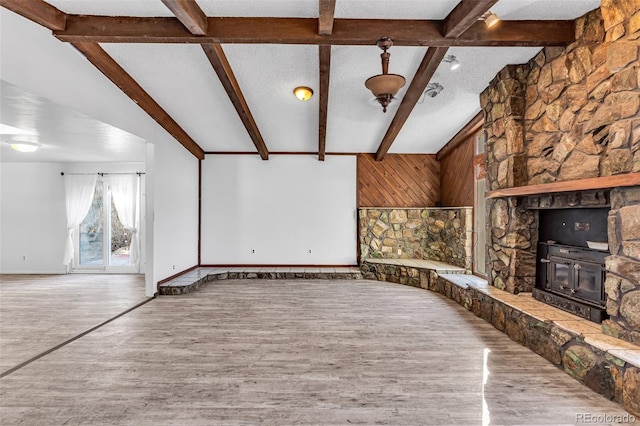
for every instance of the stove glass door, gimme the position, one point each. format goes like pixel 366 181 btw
pixel 588 281
pixel 560 275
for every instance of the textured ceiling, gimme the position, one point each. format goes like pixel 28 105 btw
pixel 181 80
pixel 543 9
pixel 63 134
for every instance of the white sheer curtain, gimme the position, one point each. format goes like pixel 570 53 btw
pixel 124 193
pixel 79 190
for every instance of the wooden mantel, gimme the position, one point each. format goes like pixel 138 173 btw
pixel 604 182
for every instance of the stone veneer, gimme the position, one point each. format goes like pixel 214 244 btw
pixel 570 113
pixel 443 234
pixel 192 280
pixel 622 284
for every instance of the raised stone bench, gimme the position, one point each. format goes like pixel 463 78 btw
pixel 193 279
pixel 607 365
pixel 413 272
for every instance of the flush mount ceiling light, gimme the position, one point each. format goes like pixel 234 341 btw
pixel 24 146
pixel 453 61
pixel 490 19
pixel 385 86
pixel 303 93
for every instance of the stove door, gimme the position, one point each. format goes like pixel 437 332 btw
pixel 588 279
pixel 561 275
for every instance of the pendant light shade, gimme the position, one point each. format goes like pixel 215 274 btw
pixel 385 86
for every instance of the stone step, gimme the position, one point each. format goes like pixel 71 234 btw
pixel 192 280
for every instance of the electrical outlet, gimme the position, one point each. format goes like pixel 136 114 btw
pixel 174 266
pixel 24 257
pixel 253 251
pixel 309 251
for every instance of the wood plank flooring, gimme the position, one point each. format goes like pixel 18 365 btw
pixel 296 352
pixel 38 312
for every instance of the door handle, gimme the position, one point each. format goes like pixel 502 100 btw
pixel 545 261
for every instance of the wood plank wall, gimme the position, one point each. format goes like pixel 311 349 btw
pixel 400 180
pixel 456 178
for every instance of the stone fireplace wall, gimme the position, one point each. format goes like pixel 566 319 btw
pixel 570 113
pixel 582 103
pixel 623 266
pixel 512 230
pixel 442 234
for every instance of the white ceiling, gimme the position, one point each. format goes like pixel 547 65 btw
pixel 180 78
pixel 64 135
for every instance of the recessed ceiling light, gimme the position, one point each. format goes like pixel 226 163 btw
pixel 453 61
pixel 24 146
pixel 433 89
pixel 303 93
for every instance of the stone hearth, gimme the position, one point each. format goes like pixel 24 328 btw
pixel 605 364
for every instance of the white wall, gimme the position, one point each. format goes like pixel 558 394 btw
pixel 280 208
pixel 175 205
pixel 71 80
pixel 32 213
pixel 33 224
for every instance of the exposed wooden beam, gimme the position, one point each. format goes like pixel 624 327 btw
pixel 427 68
pixel 325 70
pixel 221 66
pixel 464 15
pixel 38 11
pixel 189 14
pixel 105 29
pixel 602 182
pixel 114 72
pixel 326 10
pixel 467 130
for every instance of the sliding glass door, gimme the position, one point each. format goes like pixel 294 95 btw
pixel 102 243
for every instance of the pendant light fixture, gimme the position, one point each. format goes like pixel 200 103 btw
pixel 385 86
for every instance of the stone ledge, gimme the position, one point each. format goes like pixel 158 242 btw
pixel 192 280
pixel 605 364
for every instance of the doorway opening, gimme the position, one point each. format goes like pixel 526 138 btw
pixel 102 242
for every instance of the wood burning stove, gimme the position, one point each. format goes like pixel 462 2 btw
pixel 572 278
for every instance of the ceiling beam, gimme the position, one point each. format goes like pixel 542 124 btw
pixel 38 11
pixel 326 10
pixel 464 15
pixel 325 70
pixel 114 72
pixel 189 14
pixel 105 29
pixel 469 129
pixel 221 66
pixel 427 68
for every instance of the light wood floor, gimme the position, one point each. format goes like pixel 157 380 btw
pixel 38 312
pixel 295 352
